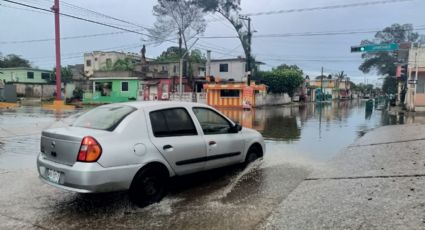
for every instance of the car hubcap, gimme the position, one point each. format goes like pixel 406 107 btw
pixel 150 186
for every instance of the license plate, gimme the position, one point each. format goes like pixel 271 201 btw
pixel 53 175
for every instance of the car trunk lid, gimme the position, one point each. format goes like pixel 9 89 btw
pixel 63 144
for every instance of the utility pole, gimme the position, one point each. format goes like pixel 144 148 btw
pixel 181 69
pixel 248 58
pixel 321 84
pixel 55 9
pixel 208 63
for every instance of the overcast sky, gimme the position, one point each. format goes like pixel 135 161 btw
pixel 308 52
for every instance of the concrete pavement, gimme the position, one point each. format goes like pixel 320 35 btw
pixel 376 183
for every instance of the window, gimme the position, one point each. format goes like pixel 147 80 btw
pixel 30 75
pixel 224 68
pixel 104 118
pixel 108 63
pixel 212 122
pixel 174 69
pixel 229 93
pixel 124 86
pixel 420 87
pixel 45 76
pixel 88 63
pixel 172 122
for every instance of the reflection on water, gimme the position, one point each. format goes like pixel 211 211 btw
pixel 317 131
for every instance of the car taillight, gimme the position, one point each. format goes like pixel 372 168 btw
pixel 90 150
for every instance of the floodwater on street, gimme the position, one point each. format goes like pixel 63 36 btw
pixel 298 139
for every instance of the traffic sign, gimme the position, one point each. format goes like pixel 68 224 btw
pixel 370 48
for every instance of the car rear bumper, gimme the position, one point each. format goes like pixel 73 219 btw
pixel 87 177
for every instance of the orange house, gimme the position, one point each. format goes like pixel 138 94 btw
pixel 232 94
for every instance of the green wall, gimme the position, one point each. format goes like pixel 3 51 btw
pixel 20 75
pixel 116 94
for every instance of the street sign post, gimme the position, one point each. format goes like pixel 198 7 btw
pixel 375 48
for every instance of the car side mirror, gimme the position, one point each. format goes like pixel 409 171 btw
pixel 235 128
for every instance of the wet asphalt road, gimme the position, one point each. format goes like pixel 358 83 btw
pixel 230 198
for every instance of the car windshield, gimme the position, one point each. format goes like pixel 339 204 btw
pixel 103 118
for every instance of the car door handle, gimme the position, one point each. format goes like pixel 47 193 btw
pixel 167 147
pixel 212 143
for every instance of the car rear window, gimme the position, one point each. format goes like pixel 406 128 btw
pixel 104 118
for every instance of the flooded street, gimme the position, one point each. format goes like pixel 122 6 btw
pixel 299 138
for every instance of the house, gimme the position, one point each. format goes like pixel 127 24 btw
pixel 332 88
pixel 232 94
pixel 415 94
pixel 29 82
pixel 100 60
pixel 112 89
pixel 229 69
pixel 160 79
pixel 232 69
pixel 25 75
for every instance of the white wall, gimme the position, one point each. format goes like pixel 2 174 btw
pixel 236 70
pixel 271 99
pixel 420 60
pixel 98 60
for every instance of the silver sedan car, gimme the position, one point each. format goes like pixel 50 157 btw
pixel 137 146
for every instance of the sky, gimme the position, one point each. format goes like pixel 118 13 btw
pixel 311 53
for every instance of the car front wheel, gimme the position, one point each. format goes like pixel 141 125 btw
pixel 251 156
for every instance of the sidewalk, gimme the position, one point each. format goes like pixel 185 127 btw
pixel 376 183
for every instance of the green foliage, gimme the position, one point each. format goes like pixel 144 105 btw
pixel 172 54
pixel 66 75
pixel 281 80
pixel 364 88
pixel 390 85
pixel 290 67
pixel 123 65
pixel 78 94
pixel 383 62
pixel 13 60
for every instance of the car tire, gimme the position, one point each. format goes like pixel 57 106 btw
pixel 148 187
pixel 251 156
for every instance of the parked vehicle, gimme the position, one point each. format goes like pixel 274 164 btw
pixel 137 146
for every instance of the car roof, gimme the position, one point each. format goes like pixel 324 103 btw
pixel 156 104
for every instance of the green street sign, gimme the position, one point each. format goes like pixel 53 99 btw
pixel 375 48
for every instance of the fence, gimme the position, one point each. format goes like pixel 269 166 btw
pixel 189 97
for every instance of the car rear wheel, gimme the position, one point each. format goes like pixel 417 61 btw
pixel 148 187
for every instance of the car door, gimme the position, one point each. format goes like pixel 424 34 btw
pixel 174 134
pixel 223 147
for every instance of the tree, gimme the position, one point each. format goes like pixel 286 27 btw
pixel 229 9
pixel 281 80
pixel 390 85
pixel 66 75
pixel 172 55
pixel 340 75
pixel 290 67
pixel 123 65
pixel 13 60
pixel 383 62
pixel 181 17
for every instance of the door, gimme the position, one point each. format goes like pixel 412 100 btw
pixel 174 134
pixel 223 147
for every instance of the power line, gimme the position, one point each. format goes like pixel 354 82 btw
pixel 80 18
pixel 327 7
pixel 305 34
pixel 62 38
pixel 103 15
